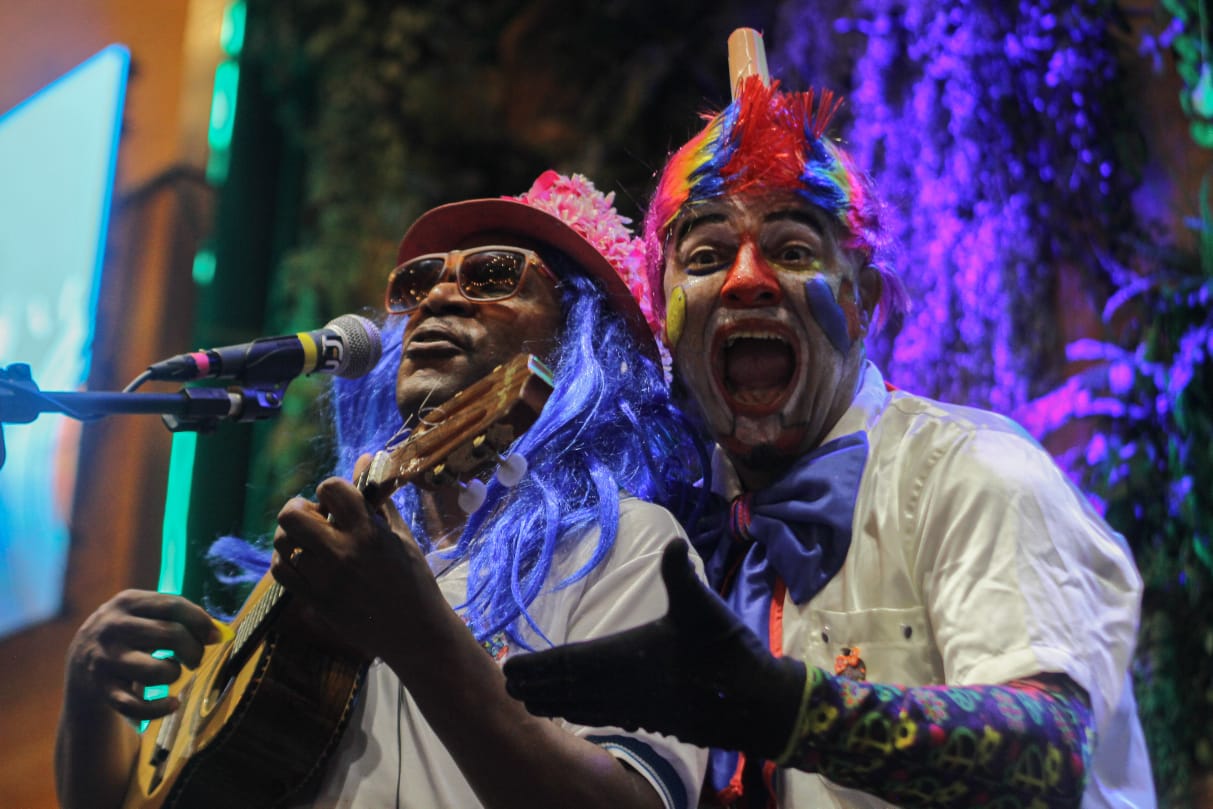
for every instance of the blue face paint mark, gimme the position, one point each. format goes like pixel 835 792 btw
pixel 828 313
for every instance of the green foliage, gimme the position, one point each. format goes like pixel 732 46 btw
pixel 1188 37
pixel 1157 472
pixel 1149 395
pixel 1156 476
pixel 1145 404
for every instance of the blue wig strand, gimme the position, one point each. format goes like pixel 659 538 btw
pixel 608 427
pixel 708 181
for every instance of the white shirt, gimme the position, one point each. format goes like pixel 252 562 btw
pixel 974 560
pixel 390 757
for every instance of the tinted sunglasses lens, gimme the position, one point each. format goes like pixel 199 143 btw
pixel 411 282
pixel 490 275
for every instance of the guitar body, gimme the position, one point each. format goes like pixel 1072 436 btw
pixel 255 725
pixel 263 711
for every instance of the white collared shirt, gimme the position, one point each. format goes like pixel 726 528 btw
pixel 974 560
pixel 391 757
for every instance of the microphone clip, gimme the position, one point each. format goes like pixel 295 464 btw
pixel 204 408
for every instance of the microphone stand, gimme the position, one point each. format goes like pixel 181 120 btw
pixel 189 409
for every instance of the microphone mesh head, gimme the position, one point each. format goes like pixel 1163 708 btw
pixel 363 345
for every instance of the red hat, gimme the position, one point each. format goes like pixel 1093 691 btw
pixel 567 213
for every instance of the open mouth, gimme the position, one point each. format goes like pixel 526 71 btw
pixel 756 369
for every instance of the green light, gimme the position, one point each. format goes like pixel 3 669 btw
pixel 231 35
pixel 223 119
pixel 157 691
pixel 177 512
pixel 217 163
pixel 223 105
pixel 173 533
pixel 204 267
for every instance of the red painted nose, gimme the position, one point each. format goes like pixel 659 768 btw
pixel 750 282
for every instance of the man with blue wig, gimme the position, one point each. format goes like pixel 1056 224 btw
pixel 437 599
pixel 919 608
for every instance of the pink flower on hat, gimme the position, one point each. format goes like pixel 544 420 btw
pixel 575 201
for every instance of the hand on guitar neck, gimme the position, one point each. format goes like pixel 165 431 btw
pixel 350 558
pixel 354 569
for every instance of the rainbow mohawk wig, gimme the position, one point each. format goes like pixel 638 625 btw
pixel 768 140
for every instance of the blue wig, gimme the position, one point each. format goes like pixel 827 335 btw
pixel 608 427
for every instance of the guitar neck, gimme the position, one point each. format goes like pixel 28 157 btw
pixel 463 436
pixel 263 605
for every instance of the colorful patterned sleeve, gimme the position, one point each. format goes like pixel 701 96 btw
pixel 1024 744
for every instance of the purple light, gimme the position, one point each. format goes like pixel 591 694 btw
pixel 1097 449
pixel 1120 378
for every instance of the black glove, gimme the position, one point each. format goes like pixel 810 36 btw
pixel 697 673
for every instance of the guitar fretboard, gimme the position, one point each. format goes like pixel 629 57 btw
pixel 251 627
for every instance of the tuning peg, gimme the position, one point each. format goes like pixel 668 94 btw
pixel 511 470
pixel 472 496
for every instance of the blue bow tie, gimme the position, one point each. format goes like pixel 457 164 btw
pixel 799 530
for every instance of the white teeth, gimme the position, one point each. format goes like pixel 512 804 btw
pixel 752 335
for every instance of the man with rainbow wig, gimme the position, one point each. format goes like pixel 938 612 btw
pixel 437 598
pixel 917 608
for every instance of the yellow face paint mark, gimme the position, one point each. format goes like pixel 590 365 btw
pixel 675 316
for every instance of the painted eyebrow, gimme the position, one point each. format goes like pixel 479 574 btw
pixel 795 215
pixel 790 215
pixel 690 223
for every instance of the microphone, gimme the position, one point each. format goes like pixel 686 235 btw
pixel 348 346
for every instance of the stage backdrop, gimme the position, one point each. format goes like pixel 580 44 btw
pixel 57 156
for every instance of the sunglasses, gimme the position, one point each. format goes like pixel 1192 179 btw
pixel 482 274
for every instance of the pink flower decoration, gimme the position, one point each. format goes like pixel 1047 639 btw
pixel 576 202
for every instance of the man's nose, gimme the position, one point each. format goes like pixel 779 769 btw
pixel 445 296
pixel 751 282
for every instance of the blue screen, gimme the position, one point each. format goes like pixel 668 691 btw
pixel 58 151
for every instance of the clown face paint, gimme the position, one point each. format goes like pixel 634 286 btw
pixel 675 316
pixel 829 314
pixel 767 346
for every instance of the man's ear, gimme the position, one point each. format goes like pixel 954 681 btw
pixel 871 287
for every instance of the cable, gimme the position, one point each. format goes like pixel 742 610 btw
pixel 137 381
pixel 399 740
